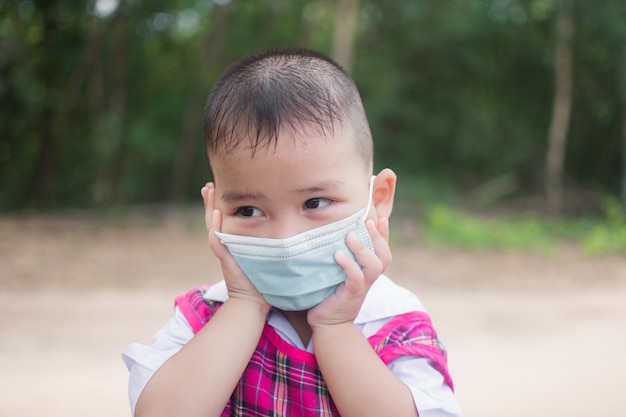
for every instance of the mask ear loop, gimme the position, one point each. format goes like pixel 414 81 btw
pixel 370 197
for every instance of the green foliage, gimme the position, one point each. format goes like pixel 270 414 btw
pixel 608 236
pixel 449 228
pixel 96 107
pixel 436 107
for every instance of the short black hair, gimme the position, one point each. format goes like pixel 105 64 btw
pixel 293 88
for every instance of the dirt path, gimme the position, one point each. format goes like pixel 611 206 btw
pixel 527 335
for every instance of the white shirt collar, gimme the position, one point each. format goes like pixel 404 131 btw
pixel 385 299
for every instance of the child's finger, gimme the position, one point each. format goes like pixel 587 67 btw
pixel 208 197
pixel 236 280
pixel 204 192
pixel 380 237
pixel 215 226
pixel 355 278
pixel 383 227
pixel 213 220
pixel 370 263
pixel 220 251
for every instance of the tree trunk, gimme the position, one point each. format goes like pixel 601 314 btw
pixel 345 31
pixel 623 101
pixel 191 131
pixel 110 175
pixel 95 85
pixel 77 80
pixel 95 93
pixel 47 152
pixel 624 148
pixel 561 110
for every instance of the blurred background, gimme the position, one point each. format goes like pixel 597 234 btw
pixel 505 120
pixel 483 107
pixel 102 100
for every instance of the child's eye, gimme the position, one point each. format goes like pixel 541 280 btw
pixel 315 203
pixel 248 211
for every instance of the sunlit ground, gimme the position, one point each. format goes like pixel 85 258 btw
pixel 527 334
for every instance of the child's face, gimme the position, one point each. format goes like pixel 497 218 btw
pixel 297 186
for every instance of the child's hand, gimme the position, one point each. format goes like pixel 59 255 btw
pixel 344 305
pixel 238 284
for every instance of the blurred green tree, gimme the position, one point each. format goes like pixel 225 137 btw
pixel 102 105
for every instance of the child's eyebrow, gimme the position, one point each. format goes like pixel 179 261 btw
pixel 324 186
pixel 233 196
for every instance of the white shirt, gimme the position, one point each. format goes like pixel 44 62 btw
pixel 385 300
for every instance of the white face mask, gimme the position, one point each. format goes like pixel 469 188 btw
pixel 298 272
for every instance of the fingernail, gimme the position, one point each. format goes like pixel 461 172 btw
pixel 371 225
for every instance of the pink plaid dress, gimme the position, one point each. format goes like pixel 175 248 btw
pixel 283 380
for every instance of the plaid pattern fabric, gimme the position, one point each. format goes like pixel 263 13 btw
pixel 282 380
pixel 411 334
pixel 278 384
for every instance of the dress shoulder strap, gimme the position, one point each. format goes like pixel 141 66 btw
pixel 411 334
pixel 196 309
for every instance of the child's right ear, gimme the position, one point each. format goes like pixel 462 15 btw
pixel 384 189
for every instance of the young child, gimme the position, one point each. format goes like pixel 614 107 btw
pixel 303 323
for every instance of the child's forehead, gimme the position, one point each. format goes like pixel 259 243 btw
pixel 246 144
pixel 289 152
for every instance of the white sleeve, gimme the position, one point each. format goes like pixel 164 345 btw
pixel 432 396
pixel 143 361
